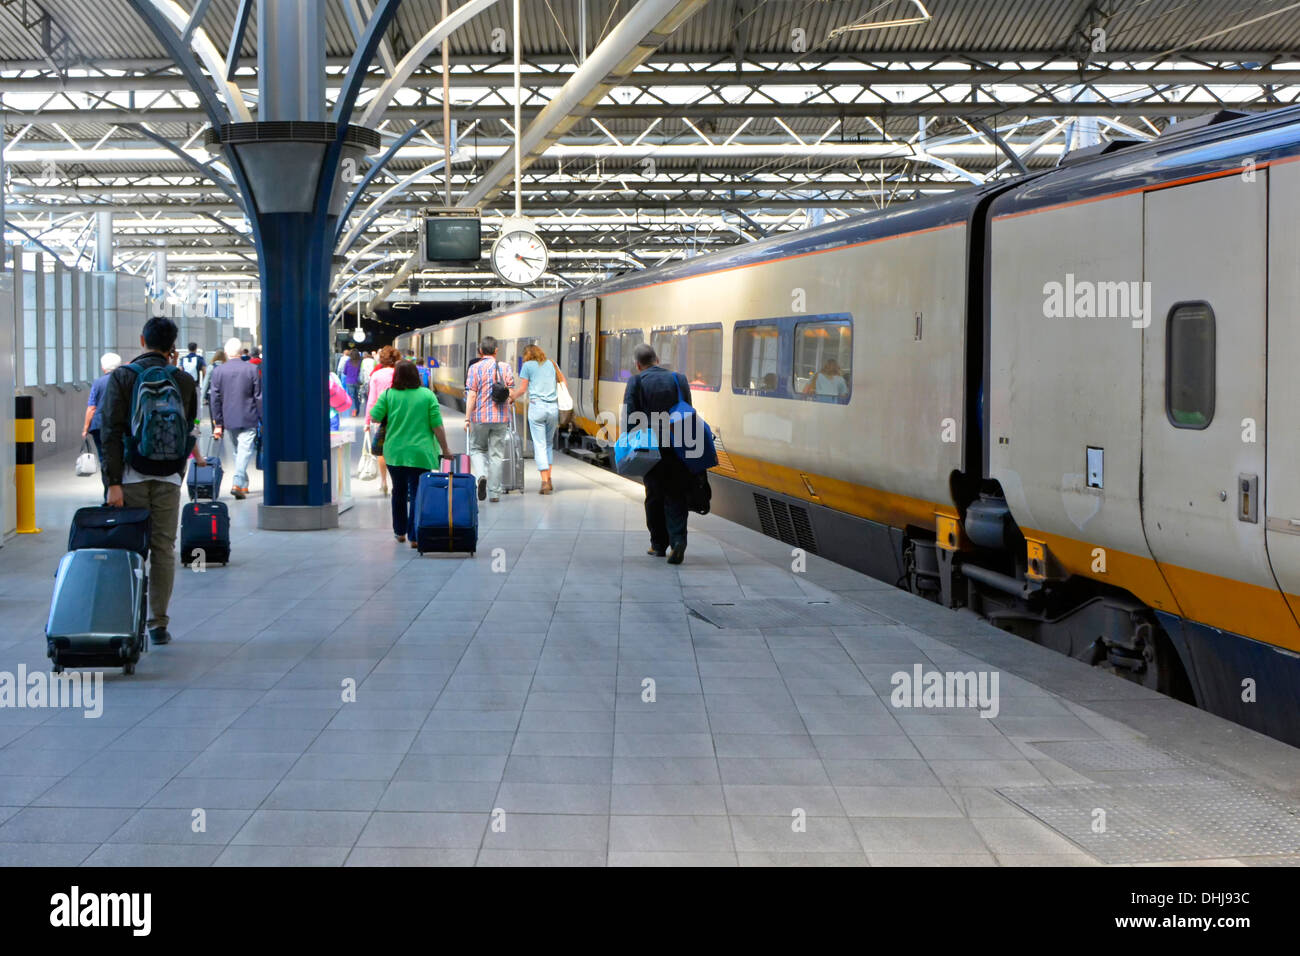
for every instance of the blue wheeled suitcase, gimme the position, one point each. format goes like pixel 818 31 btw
pixel 97 614
pixel 446 513
pixel 205 480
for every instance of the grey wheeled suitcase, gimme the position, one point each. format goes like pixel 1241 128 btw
pixel 97 615
pixel 512 468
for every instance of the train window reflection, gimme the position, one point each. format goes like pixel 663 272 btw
pixel 609 356
pixel 628 341
pixel 823 360
pixel 1189 357
pixel 755 358
pixel 704 358
pixel 664 342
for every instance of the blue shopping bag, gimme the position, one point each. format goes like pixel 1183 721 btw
pixel 636 452
pixel 691 436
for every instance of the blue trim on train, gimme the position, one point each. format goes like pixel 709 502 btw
pixel 1218 663
pixel 930 213
pixel 1201 151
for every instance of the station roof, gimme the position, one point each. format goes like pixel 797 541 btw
pixel 749 119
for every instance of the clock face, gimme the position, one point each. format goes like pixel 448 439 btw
pixel 519 257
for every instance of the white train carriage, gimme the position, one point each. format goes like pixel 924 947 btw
pixel 1047 399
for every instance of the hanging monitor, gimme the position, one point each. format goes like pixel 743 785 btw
pixel 450 237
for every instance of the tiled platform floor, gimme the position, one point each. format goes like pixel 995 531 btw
pixel 499 716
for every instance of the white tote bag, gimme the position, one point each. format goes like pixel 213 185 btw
pixel 368 469
pixel 86 464
pixel 563 400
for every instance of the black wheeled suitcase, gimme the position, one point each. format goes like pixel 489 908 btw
pixel 205 533
pixel 123 529
pixel 97 615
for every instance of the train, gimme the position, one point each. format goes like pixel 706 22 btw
pixel 1058 399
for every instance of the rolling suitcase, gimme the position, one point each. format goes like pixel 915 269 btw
pixel 205 533
pixel 512 467
pixel 205 480
pixel 455 465
pixel 97 614
pixel 446 513
pixel 124 529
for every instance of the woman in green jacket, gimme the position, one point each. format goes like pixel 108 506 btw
pixel 414 439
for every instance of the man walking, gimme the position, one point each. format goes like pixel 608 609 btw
pixel 235 398
pixel 93 425
pixel 193 363
pixel 652 392
pixel 143 467
pixel 487 417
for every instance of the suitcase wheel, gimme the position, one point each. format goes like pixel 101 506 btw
pixel 128 668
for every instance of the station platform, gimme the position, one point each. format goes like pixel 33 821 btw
pixel 501 713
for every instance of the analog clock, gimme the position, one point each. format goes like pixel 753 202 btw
pixel 519 257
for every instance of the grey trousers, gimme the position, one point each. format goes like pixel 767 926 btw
pixel 487 453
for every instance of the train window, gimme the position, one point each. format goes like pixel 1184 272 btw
pixel 755 360
pixel 628 340
pixel 704 358
pixel 664 342
pixel 1189 361
pixel 573 356
pixel 609 356
pixel 823 360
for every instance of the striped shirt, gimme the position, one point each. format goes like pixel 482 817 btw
pixel 479 380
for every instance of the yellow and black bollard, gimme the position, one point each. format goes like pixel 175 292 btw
pixel 25 459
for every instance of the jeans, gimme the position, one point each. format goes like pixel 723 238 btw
pixel 242 439
pixel 487 453
pixel 406 481
pixel 354 393
pixel 163 499
pixel 543 420
pixel 666 487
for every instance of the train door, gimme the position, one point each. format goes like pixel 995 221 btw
pixel 570 351
pixel 1204 403
pixel 1280 509
pixel 591 356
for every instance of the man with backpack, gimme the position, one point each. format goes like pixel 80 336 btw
pixel 148 434
pixel 487 417
pixel 235 399
pixel 193 364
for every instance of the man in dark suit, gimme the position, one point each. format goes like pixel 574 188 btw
pixel 649 396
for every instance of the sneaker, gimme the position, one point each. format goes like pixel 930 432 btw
pixel 482 489
pixel 679 552
pixel 159 635
pixel 415 544
pixel 494 499
pixel 238 492
pixel 656 552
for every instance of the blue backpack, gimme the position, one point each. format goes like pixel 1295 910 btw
pixel 159 441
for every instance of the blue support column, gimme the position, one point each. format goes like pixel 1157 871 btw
pixel 295 263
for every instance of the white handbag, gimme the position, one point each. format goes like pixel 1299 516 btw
pixel 563 400
pixel 86 463
pixel 368 469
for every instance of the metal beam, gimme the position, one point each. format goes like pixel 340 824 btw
pixel 416 55
pixel 641 32
pixel 372 172
pixel 366 46
pixel 237 38
pixel 166 18
pixel 203 169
